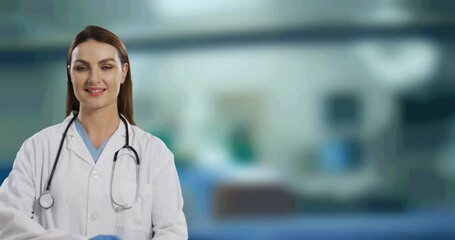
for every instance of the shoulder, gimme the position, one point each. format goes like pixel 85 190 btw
pixel 45 134
pixel 41 140
pixel 154 153
pixel 151 142
pixel 48 132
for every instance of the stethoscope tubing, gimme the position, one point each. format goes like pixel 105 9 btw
pixel 46 200
pixel 59 151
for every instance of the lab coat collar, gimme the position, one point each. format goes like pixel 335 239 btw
pixel 73 131
pixel 75 143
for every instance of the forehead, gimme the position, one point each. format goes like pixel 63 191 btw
pixel 94 51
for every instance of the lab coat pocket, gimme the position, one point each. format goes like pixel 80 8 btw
pixel 136 222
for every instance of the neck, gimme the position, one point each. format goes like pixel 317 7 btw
pixel 99 124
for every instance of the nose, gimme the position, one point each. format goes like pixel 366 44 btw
pixel 94 76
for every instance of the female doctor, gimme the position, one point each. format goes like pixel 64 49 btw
pixel 95 175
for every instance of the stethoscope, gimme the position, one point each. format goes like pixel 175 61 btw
pixel 46 200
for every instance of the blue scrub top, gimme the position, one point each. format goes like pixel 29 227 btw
pixel 88 143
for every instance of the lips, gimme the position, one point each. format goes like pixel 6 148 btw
pixel 95 92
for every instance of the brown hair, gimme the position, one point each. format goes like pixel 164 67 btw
pixel 125 97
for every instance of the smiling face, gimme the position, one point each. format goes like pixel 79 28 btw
pixel 96 74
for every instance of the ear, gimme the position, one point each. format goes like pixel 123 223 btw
pixel 68 69
pixel 125 69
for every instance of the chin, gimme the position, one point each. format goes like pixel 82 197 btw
pixel 96 106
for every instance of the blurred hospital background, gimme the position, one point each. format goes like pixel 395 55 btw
pixel 289 119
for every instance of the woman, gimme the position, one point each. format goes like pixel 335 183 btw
pixel 96 175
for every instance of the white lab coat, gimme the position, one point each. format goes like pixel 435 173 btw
pixel 81 189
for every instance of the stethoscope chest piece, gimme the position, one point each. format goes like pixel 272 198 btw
pixel 46 200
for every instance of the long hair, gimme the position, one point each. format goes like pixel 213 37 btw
pixel 125 97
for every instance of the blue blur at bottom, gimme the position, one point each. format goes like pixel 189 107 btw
pixel 435 224
pixel 429 223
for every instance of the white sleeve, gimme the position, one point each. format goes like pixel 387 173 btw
pixel 14 225
pixel 17 194
pixel 168 218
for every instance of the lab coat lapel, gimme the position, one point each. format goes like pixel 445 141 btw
pixel 116 142
pixel 74 142
pixel 77 146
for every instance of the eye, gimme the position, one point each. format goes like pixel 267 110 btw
pixel 106 67
pixel 81 68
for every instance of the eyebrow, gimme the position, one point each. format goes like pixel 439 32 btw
pixel 100 62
